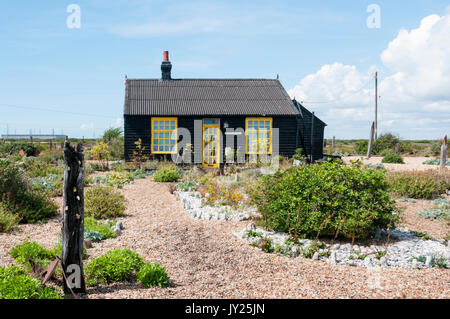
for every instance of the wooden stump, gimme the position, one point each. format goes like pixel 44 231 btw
pixel 369 148
pixel 73 217
pixel 444 152
pixel 397 148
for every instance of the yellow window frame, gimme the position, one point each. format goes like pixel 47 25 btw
pixel 252 130
pixel 156 128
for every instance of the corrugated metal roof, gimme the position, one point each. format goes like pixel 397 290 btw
pixel 207 97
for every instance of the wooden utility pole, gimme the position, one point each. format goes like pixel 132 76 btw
pixel 369 148
pixel 444 152
pixel 376 105
pixel 73 219
pixel 312 137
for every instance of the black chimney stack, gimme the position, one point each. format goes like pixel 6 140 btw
pixel 166 66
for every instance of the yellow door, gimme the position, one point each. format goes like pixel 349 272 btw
pixel 211 142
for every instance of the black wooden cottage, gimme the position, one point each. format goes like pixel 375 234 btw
pixel 215 112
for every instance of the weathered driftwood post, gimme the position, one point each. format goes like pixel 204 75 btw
pixel 369 148
pixel 397 148
pixel 444 152
pixel 73 219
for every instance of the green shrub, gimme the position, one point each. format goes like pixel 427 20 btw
pixel 391 157
pixel 420 184
pixel 15 284
pixel 153 275
pixel 7 220
pixel 103 202
pixel 118 179
pixel 31 251
pixel 105 230
pixel 327 198
pixel 361 147
pixel 112 133
pixel 385 141
pixel 19 198
pixel 116 265
pixel 166 174
pixel 12 148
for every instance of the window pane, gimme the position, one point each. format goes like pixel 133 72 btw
pixel 156 141
pixel 161 135
pixel 155 148
pixel 161 148
pixel 166 148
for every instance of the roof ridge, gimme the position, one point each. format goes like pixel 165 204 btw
pixel 202 79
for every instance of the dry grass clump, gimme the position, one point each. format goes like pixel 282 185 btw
pixel 427 184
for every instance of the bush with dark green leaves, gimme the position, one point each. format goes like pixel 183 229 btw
pixel 19 198
pixel 153 275
pixel 12 148
pixel 391 157
pixel 327 199
pixel 117 265
pixel 103 202
pixel 15 284
pixel 166 174
pixel 385 142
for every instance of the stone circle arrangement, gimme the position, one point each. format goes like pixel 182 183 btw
pixel 406 249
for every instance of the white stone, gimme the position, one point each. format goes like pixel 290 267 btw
pixel 332 258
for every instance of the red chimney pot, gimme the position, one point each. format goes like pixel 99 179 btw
pixel 166 55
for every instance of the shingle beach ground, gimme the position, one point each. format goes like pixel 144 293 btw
pixel 204 259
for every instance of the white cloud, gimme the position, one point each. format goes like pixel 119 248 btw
pixel 334 85
pixel 420 60
pixel 415 96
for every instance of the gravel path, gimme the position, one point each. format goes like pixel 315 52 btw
pixel 204 259
pixel 413 221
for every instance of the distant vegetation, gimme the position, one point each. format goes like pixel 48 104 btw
pixel 386 142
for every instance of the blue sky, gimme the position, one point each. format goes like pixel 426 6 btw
pixel 323 52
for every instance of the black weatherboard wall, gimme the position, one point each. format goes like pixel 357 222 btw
pixel 139 126
pixel 230 100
